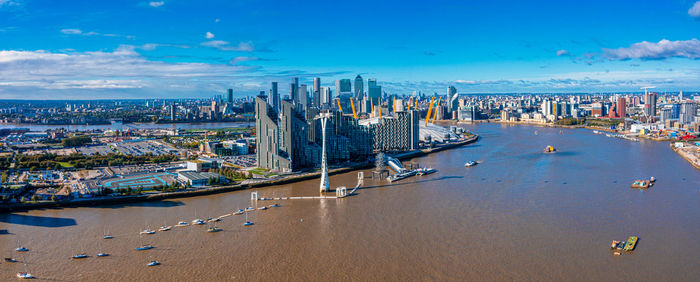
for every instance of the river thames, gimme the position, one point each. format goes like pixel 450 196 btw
pixel 518 215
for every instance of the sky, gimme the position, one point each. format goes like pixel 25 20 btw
pixel 196 49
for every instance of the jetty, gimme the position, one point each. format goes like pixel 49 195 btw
pixel 340 192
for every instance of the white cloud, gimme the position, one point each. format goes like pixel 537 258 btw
pixel 8 3
pixel 226 46
pixel 656 51
pixel 75 31
pixel 243 59
pixel 209 35
pixel 70 30
pixel 563 53
pixel 695 10
pixel 156 4
pixel 122 68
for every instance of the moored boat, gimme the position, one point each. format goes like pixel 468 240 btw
pixel 631 243
pixel 641 184
pixel 80 256
pixel 550 149
pixel 470 163
pixel 102 254
pixel 425 171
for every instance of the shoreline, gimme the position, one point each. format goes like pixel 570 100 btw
pixel 223 189
pixel 684 156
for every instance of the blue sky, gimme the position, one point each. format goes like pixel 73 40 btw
pixel 179 49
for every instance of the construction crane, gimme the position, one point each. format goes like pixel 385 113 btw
pixel 646 89
pixel 430 110
pixel 436 109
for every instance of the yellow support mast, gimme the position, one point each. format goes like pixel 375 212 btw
pixel 409 103
pixel 436 109
pixel 430 110
pixel 394 106
pixel 380 107
pixel 352 104
pixel 339 107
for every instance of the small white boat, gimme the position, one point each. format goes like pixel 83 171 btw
pixel 80 256
pixel 164 228
pixel 153 263
pixel 470 163
pixel 263 208
pixel 144 247
pixel 102 255
pixel 197 221
pixel 249 209
pixel 425 171
pixel 182 223
pixel 214 229
pixel 247 223
pixel 22 249
pixel 107 236
pixel 239 212
pixel 652 179
pixel 25 275
pixel 148 231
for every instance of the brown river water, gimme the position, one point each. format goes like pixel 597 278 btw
pixel 518 215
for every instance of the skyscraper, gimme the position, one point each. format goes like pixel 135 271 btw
pixel 688 110
pixel 650 104
pixel 621 107
pixel 230 96
pixel 359 87
pixel 294 89
pixel 317 92
pixel 453 103
pixel 342 86
pixel 326 97
pixel 274 98
pixel 303 97
pixel 374 92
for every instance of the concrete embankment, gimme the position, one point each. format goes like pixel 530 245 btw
pixel 693 160
pixel 221 189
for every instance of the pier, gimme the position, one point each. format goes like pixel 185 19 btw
pixel 340 192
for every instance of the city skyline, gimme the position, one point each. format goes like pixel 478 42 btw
pixel 173 49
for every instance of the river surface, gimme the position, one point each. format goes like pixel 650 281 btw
pixel 518 215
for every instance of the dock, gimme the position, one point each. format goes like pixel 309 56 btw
pixel 340 192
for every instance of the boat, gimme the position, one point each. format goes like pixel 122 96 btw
pixel 10 260
pixel 550 149
pixel 164 228
pixel 152 262
pixel 214 229
pixel 631 243
pixel 107 236
pixel 182 223
pixel 148 231
pixel 197 222
pixel 144 247
pixel 470 163
pixel 25 275
pixel 596 131
pixel 425 171
pixel 641 184
pixel 80 256
pixel 263 208
pixel 247 223
pixel 216 219
pixel 239 212
pixel 652 179
pixel 275 206
pixel 399 176
pixel 22 249
pixel 249 209
pixel 102 254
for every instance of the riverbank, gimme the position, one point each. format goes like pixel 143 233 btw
pixel 224 189
pixel 687 154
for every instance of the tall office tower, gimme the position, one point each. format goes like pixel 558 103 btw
pixel 274 98
pixel 326 97
pixel 452 105
pixel 343 86
pixel 688 111
pixel 293 91
pixel 374 92
pixel 230 96
pixel 317 92
pixel 262 93
pixel 650 104
pixel 281 139
pixel 172 111
pixel 621 107
pixel 303 97
pixel 359 88
pixel 397 133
